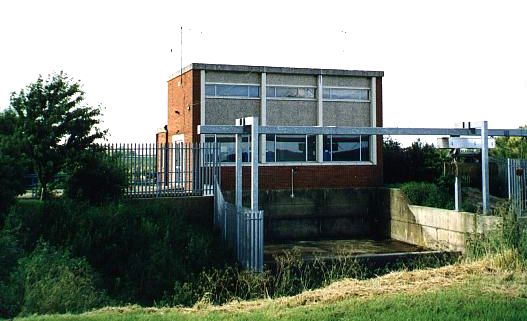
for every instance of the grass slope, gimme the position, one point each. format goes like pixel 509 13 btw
pixel 470 291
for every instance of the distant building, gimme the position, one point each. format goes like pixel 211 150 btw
pixel 218 94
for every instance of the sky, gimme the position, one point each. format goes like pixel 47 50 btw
pixel 444 61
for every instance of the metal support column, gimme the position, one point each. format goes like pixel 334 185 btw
pixel 254 162
pixel 457 188
pixel 485 166
pixel 238 183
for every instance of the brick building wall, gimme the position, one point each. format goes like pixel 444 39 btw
pixel 184 94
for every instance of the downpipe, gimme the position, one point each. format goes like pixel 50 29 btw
pixel 292 182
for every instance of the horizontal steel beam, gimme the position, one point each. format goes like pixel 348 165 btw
pixel 317 130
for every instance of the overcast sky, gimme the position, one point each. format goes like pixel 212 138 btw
pixel 444 61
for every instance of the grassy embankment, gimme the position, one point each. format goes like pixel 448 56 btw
pixel 489 289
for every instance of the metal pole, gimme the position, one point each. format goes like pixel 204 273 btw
pixel 485 167
pixel 457 188
pixel 238 194
pixel 238 176
pixel 254 164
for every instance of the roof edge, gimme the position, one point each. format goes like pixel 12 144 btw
pixel 278 70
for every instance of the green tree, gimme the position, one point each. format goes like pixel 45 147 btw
pixel 417 162
pixel 511 147
pixel 54 124
pixel 13 164
pixel 96 178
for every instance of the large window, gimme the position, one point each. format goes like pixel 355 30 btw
pixel 291 92
pixel 339 148
pixel 352 94
pixel 290 148
pixel 232 90
pixel 227 147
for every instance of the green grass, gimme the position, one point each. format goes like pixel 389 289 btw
pixel 447 304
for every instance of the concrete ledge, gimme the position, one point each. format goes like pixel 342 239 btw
pixel 434 227
pixel 278 70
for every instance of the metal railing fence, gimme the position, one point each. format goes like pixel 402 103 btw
pixel 518 185
pixel 242 231
pixel 172 170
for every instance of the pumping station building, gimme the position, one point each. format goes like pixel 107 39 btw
pixel 303 146
pixel 214 94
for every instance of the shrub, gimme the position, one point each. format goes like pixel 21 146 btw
pixel 10 291
pixel 418 162
pixel 428 194
pixel 55 282
pixel 139 248
pixel 96 178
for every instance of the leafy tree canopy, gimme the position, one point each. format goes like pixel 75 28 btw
pixel 417 162
pixel 13 164
pixel 54 124
pixel 511 147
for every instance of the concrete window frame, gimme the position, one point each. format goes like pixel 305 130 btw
pixel 362 139
pixel 233 84
pixel 269 86
pixel 345 99
pixel 306 145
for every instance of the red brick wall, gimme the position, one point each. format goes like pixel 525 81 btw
pixel 184 106
pixel 317 176
pixel 160 138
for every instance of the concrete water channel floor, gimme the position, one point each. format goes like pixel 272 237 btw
pixel 364 249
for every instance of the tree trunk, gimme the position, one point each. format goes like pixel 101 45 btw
pixel 44 191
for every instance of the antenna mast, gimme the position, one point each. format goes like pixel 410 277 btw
pixel 181 52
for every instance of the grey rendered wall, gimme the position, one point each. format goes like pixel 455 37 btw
pixel 232 77
pixel 347 114
pixel 291 112
pixel 336 81
pixel 295 80
pixel 220 111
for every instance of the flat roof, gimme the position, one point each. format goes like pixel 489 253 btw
pixel 278 70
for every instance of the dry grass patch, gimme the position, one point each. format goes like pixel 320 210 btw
pixel 489 274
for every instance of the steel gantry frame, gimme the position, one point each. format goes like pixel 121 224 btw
pixel 250 125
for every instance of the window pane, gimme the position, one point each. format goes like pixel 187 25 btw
pixel 346 148
pixel 361 94
pixel 271 91
pixel 291 92
pixel 232 90
pixel 327 148
pixel 311 148
pixel 290 148
pixel 287 92
pixel 254 91
pixel 209 138
pixel 306 92
pixel 341 93
pixel 227 151
pixel 346 93
pixel 326 93
pixel 246 148
pixel 269 148
pixel 210 90
pixel 365 148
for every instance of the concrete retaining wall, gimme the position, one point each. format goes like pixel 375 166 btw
pixel 432 227
pixel 314 214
